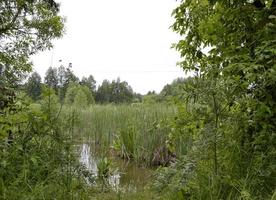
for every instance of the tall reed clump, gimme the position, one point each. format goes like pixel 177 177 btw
pixel 37 158
pixel 138 132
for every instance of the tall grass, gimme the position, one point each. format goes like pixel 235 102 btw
pixel 37 158
pixel 137 132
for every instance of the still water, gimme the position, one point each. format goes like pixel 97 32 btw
pixel 126 175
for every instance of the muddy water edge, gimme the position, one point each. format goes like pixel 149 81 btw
pixel 125 176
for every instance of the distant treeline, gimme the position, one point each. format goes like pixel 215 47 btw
pixel 72 90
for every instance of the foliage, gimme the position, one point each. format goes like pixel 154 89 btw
pixel 150 99
pixel 33 86
pixel 66 84
pixel 59 79
pixel 37 160
pixel 104 172
pixel 77 94
pixel 115 92
pixel 51 78
pixel 104 92
pixel 26 28
pixel 65 77
pixel 7 98
pixel 80 99
pixel 220 145
pixel 70 77
pixel 173 92
pixel 49 102
pixel 90 83
pixel 125 141
pixel 230 106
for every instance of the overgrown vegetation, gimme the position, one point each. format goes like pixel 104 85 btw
pixel 230 105
pixel 133 132
pixel 37 155
pixel 212 135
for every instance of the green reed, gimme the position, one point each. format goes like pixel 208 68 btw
pixel 137 132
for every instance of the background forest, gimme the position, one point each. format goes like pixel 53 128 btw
pixel 68 88
pixel 209 136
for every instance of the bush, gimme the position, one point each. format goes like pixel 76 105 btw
pixel 37 154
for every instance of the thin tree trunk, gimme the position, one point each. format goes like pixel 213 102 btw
pixel 215 136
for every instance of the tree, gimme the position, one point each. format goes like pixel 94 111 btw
pixel 61 72
pixel 80 99
pixel 88 94
pixel 65 77
pixel 51 78
pixel 114 92
pixel 151 92
pixel 26 28
pixel 104 92
pixel 174 91
pixel 121 92
pixel 90 83
pixel 137 98
pixel 150 99
pixel 73 91
pixel 33 86
pixel 49 102
pixel 230 45
pixel 70 77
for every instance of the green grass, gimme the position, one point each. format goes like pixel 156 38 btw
pixel 137 132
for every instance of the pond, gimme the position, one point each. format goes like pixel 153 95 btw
pixel 126 176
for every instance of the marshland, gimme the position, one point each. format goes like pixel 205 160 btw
pixel 95 104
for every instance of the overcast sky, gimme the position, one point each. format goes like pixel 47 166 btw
pixel 129 39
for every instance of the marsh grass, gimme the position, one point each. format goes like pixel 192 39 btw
pixel 137 132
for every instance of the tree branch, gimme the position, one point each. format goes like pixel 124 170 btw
pixel 9 26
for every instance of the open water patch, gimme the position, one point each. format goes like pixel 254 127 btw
pixel 125 175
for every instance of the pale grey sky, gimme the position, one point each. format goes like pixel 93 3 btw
pixel 129 39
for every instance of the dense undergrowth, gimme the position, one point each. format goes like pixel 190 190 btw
pixel 219 144
pixel 37 156
pixel 202 147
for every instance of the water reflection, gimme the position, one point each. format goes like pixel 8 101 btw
pixel 87 160
pixel 125 176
